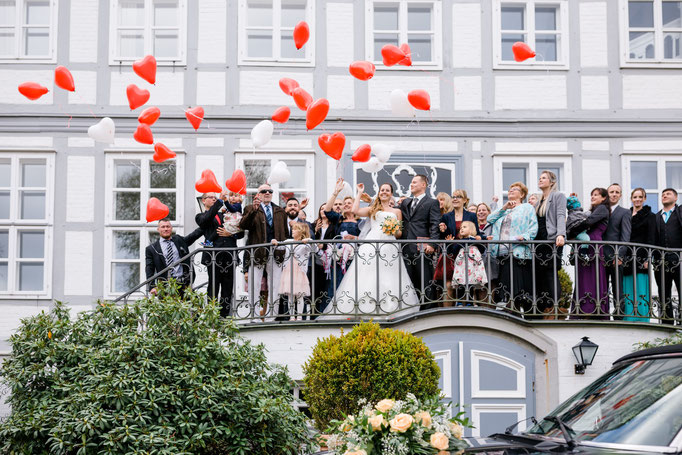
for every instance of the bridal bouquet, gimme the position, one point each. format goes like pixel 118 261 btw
pixel 391 225
pixel 404 427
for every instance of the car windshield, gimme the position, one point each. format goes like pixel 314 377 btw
pixel 636 404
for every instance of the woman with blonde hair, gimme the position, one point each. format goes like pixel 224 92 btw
pixel 445 202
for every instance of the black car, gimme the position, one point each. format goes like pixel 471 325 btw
pixel 634 408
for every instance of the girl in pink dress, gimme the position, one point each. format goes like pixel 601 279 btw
pixel 294 280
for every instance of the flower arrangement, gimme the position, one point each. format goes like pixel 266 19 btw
pixel 403 427
pixel 391 225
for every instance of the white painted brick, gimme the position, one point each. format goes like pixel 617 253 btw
pixel 168 90
pixel 78 246
pixel 212 162
pixel 523 147
pixel 652 92
pixel 466 30
pixel 127 143
pixel 596 145
pixel 419 146
pixel 530 92
pixel 212 31
pixel 80 142
pixel 84 30
pixel 593 40
pixel 476 146
pixel 174 143
pixel 380 89
pixel 80 188
pixel 468 93
pixel 210 142
pixel 11 78
pixel 210 88
pixel 595 173
pixel 262 87
pixel 594 92
pixel 652 145
pixel 341 92
pixel 86 88
pixel 281 144
pixel 13 142
pixel 339 34
pixel 12 314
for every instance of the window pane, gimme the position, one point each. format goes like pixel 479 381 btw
pixel 126 245
pixel 642 45
pixel 673 174
pixel 166 43
pixel 127 206
pixel 3 276
pixel 386 17
pixel 169 200
pixel 33 205
pixel 128 174
pixel 153 236
pixel 284 195
pixel 162 175
pixel 419 17
pixel 33 175
pixel 7 12
pixel 131 13
pixel 4 205
pixel 5 173
pixel 257 172
pixel 672 14
pixel 513 174
pixel 37 41
pixel 31 244
pixel 643 174
pixel 513 18
pixel 297 171
pixel 420 47
pixel 641 14
pixel 293 12
pixel 288 48
pixel 37 12
pixel 382 39
pixel 31 277
pixel 4 244
pixel 7 42
pixel 259 13
pixel 545 18
pixel 130 43
pixel 508 40
pixel 546 47
pixel 652 200
pixel 671 45
pixel 125 276
pixel 259 43
pixel 166 13
pixel 556 169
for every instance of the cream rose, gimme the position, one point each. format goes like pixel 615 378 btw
pixel 355 452
pixel 385 405
pixel 377 422
pixel 456 430
pixel 424 418
pixel 439 441
pixel 401 423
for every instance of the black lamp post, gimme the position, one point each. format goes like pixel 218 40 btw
pixel 584 353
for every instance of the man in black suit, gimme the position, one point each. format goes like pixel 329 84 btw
pixel 667 266
pixel 618 230
pixel 421 216
pixel 168 249
pixel 293 209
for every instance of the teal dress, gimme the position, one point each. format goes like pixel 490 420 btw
pixel 636 289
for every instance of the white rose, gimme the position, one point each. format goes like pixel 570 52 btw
pixel 401 423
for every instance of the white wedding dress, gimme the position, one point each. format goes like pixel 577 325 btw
pixel 376 279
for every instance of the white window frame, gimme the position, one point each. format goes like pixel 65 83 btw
pixel 661 159
pixel 141 226
pixel 276 60
pixel 532 63
pixel 658 61
pixel 14 225
pixel 116 59
pixel 20 57
pixel 437 58
pixel 534 165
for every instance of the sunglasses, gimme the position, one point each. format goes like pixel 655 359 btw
pixel 266 191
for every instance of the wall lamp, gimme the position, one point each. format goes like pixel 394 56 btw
pixel 584 353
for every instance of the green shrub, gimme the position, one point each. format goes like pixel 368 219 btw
pixel 675 338
pixel 368 363
pixel 164 375
pixel 566 285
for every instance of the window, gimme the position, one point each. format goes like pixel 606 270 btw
pixel 653 174
pixel 413 22
pixel 131 180
pixel 543 25
pixel 28 29
pixel 144 27
pixel 26 184
pixel 527 170
pixel 267 31
pixel 654 31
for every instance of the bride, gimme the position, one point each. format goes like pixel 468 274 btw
pixel 376 278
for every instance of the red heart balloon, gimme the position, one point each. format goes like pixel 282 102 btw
pixel 420 99
pixel 362 153
pixel 332 144
pixel 237 183
pixel 301 34
pixel 146 68
pixel 156 210
pixel 288 85
pixel 149 115
pixel 407 61
pixel 162 153
pixel 316 113
pixel 362 70
pixel 281 115
pixel 195 116
pixel 136 96
pixel 302 98
pixel 392 54
pixel 522 51
pixel 64 79
pixel 32 90
pixel 143 134
pixel 207 183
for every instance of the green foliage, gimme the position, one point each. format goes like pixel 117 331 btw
pixel 368 363
pixel 566 289
pixel 675 338
pixel 164 375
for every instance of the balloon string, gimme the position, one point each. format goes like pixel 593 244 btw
pixel 208 125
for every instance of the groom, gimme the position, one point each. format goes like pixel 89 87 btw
pixel 421 215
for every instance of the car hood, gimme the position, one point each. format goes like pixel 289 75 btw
pixel 499 444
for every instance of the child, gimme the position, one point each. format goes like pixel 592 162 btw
pixel 294 280
pixel 231 211
pixel 576 220
pixel 469 267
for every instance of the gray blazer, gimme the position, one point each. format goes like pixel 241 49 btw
pixel 556 215
pixel 618 230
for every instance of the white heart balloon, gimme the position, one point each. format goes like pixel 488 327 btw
pixel 372 166
pixel 103 131
pixel 382 152
pixel 347 191
pixel 400 105
pixel 262 133
pixel 279 173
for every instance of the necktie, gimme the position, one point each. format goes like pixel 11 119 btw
pixel 413 206
pixel 268 214
pixel 666 215
pixel 169 253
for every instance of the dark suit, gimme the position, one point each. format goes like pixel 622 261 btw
pixel 423 222
pixel 155 260
pixel 667 265
pixel 618 230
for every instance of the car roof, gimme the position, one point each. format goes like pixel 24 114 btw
pixel 651 352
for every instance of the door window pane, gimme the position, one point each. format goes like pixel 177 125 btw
pixel 259 13
pixel 169 200
pixel 419 17
pixel 131 13
pixel 166 13
pixel 545 18
pixel 513 18
pixel 166 43
pixel 31 276
pixel 673 174
pixel 3 276
pixel 672 14
pixel 126 245
pixel 125 276
pixel 652 200
pixel 420 47
pixel 293 12
pixel 127 206
pixel 7 42
pixel 162 175
pixel 32 205
pixel 546 46
pixel 32 244
pixel 4 205
pixel 642 45
pixel 33 175
pixel 127 175
pixel 297 171
pixel 259 43
pixel 130 43
pixel 37 41
pixel 508 40
pixel 641 14
pixel 386 17
pixel 671 45
pixel 4 244
pixel 288 47
pixel 512 174
pixel 643 174
pixel 37 12
pixel 257 172
pixel 7 12
pixel 5 173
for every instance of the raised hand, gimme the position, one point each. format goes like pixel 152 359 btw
pixel 442 227
pixel 304 204
pixel 361 188
pixel 339 186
